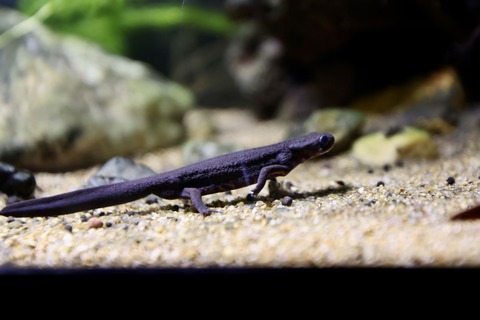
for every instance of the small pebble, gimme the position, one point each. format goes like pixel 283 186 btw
pixel 68 227
pixel 380 183
pixel 370 171
pixel 95 223
pixel 83 218
pixel 10 219
pixel 108 224
pixel 387 167
pixel 287 201
pixel 151 199
pixel 340 182
pixel 450 180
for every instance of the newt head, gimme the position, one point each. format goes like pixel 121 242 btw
pixel 311 145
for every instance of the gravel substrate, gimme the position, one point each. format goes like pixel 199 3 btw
pixel 343 214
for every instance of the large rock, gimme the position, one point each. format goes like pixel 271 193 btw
pixel 66 104
pixel 380 149
pixel 302 55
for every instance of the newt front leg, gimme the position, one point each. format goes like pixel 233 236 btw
pixel 266 173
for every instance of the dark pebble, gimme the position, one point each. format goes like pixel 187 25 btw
pixel 68 227
pixel 387 167
pixel 340 182
pixel 21 183
pixel 108 224
pixel 380 183
pixel 370 171
pixel 287 201
pixel 250 197
pixel 10 219
pixel 371 203
pixel 450 180
pixel 83 218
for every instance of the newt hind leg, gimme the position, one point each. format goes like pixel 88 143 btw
pixel 195 197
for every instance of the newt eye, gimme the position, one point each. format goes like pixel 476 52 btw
pixel 326 139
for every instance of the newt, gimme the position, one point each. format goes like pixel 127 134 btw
pixel 226 172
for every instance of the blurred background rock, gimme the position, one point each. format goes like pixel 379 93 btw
pixel 83 81
pixel 416 61
pixel 333 52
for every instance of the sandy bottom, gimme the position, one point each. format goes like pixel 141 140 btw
pixel 340 217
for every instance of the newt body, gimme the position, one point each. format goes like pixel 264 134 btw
pixel 227 172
